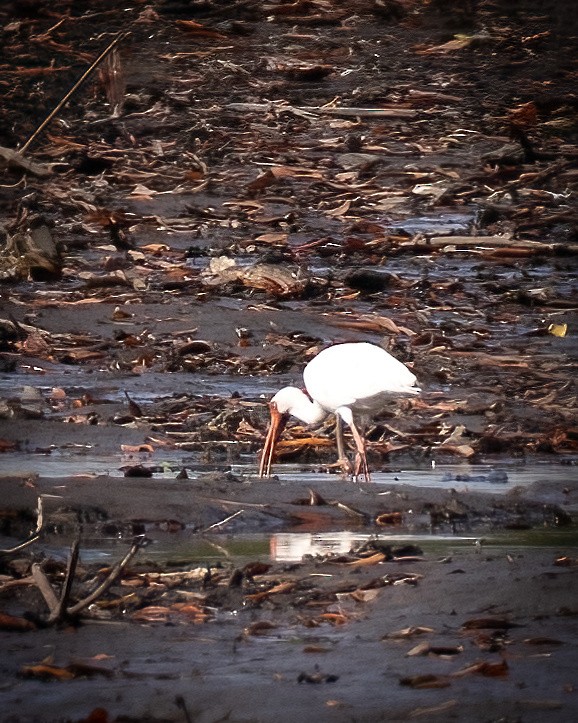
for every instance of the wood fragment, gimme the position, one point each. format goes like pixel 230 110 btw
pixel 323 110
pixel 15 160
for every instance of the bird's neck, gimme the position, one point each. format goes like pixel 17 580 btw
pixel 308 411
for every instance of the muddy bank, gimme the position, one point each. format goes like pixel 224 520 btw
pixel 358 659
pixel 440 602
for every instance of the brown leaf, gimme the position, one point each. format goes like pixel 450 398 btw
pixel 489 670
pixel 272 238
pixel 136 448
pixel 407 632
pixel 255 568
pixel 524 116
pixel 425 681
pixel 46 672
pixel 362 596
pixel 81 669
pixel 261 627
pixel 11 622
pixel 275 590
pixel 199 30
pixel 565 561
pixel 441 650
pixel 333 618
pixel 152 614
pixel 154 249
pixel 367 561
pixel 542 641
pixel 420 649
pixel 193 612
pixel 389 518
pixel 489 623
pixel 458 43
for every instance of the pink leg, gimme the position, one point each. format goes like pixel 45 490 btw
pixel 342 461
pixel 360 457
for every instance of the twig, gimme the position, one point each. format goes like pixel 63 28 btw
pixel 217 547
pixel 35 535
pixel 121 36
pixel 58 607
pixel 223 522
pixel 60 612
pixel 45 588
pixel 323 110
pixel 112 576
pixel 222 501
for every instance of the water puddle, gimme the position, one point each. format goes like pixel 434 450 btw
pixel 443 224
pixel 188 548
pixel 498 478
pixel 105 386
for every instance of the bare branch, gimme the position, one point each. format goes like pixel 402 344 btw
pixel 79 82
pixel 45 588
pixel 60 612
pixel 112 576
pixel 35 535
pixel 223 522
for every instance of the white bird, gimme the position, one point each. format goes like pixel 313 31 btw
pixel 346 379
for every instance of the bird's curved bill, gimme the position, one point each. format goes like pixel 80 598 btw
pixel 276 427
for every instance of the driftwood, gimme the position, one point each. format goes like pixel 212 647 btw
pixel 489 242
pixel 59 607
pixel 35 535
pixel 323 110
pixel 30 253
pixel 13 160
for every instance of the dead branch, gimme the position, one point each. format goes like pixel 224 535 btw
pixel 58 607
pixel 45 587
pixel 35 535
pixel 121 36
pixel 344 112
pixel 60 612
pixel 223 522
pixel 112 576
pixel 14 159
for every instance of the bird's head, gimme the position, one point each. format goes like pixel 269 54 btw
pixel 284 403
pixel 287 400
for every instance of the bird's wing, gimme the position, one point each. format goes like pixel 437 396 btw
pixel 357 375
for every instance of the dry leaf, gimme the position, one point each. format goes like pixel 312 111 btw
pixel 558 329
pixel 420 682
pixel 262 627
pixel 46 672
pixel 490 670
pixel 11 622
pixel 408 632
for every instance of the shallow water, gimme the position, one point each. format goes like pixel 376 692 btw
pixel 188 548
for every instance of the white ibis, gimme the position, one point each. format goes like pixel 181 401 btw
pixel 346 379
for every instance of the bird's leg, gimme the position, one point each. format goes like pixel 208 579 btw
pixel 342 460
pixel 360 457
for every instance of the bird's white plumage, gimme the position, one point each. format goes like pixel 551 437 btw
pixel 360 376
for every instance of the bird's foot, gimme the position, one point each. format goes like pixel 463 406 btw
pixel 345 466
pixel 361 468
